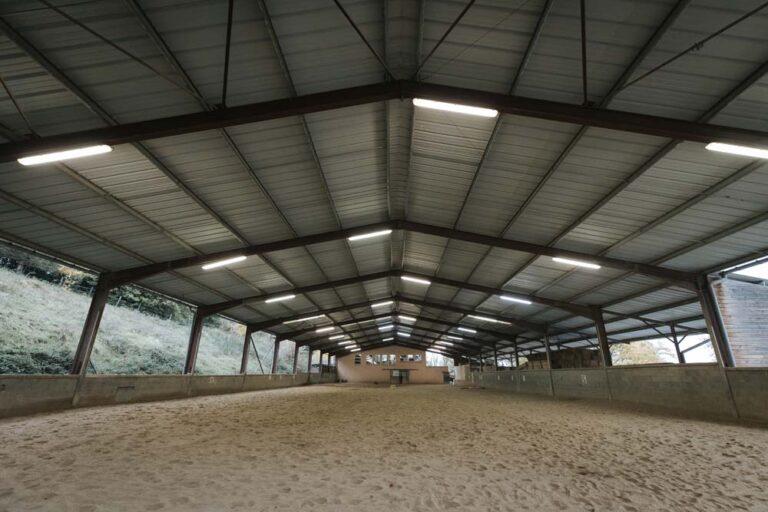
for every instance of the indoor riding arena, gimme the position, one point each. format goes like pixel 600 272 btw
pixel 383 255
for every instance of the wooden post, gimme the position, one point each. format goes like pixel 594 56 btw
pixel 295 357
pixel 495 358
pixel 309 360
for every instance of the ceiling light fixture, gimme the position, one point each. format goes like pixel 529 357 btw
pixel 415 280
pixel 386 327
pixel 325 329
pixel 387 339
pixel 382 304
pixel 305 319
pixel 466 329
pixel 456 108
pixel 576 263
pixel 515 299
pixel 405 318
pixel 488 319
pixel 69 154
pixel 454 338
pixel 403 334
pixel 733 149
pixel 355 350
pixel 337 337
pixel 369 235
pixel 280 298
pixel 221 263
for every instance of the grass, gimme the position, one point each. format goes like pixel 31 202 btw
pixel 40 326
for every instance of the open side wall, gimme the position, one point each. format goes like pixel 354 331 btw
pixel 701 389
pixel 27 394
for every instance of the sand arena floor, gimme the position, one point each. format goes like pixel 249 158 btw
pixel 344 448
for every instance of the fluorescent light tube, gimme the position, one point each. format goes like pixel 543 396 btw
pixel 386 328
pixel 337 337
pixel 454 338
pixel 281 298
pixel 381 304
pixel 370 235
pixel 406 318
pixel 415 280
pixel 515 299
pixel 387 339
pixel 325 329
pixel 488 319
pixel 403 334
pixel 348 342
pixel 441 342
pixel 733 149
pixel 355 350
pixel 67 154
pixel 576 263
pixel 305 319
pixel 454 107
pixel 221 263
pixel 467 329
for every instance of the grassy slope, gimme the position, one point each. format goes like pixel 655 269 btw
pixel 40 325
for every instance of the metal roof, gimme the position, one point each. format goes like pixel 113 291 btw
pixel 598 191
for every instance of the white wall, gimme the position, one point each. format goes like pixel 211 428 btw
pixel 420 372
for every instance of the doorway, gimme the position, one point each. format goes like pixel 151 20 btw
pixel 398 377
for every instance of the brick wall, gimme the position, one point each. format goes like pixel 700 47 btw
pixel 744 308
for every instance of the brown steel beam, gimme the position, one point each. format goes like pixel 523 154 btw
pixel 121 277
pixel 524 324
pixel 399 89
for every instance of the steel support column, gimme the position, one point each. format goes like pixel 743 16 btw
pixel 676 341
pixel 275 355
pixel 90 328
pixel 549 364
pixel 495 358
pixel 194 343
pixel 602 337
pixel 309 360
pixel 714 322
pixel 246 351
pixel 517 355
pixel 295 357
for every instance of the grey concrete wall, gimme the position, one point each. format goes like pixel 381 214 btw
pixel 533 382
pixel 33 393
pixel 700 389
pixel 750 392
pixel 691 388
pixel 27 394
pixel 580 383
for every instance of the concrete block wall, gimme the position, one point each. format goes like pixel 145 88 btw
pixel 744 309
pixel 27 394
pixel 700 389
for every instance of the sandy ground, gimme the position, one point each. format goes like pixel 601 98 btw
pixel 344 448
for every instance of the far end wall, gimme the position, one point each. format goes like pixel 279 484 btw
pixel 420 372
pixel 744 309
